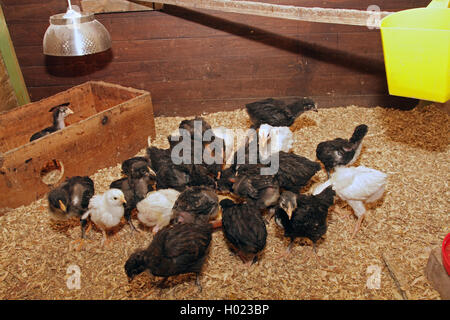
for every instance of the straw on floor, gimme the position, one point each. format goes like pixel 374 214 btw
pixel 412 147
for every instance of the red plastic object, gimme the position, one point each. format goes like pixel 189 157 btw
pixel 446 253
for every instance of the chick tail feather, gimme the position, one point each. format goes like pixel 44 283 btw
pixel 326 197
pixel 86 215
pixel 299 106
pixel 321 187
pixel 359 133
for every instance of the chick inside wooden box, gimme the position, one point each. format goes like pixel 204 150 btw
pixel 73 133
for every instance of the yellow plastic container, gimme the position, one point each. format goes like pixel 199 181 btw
pixel 416 45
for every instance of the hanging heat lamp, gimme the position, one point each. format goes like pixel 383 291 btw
pixel 75 33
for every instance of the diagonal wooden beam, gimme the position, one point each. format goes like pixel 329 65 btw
pixel 314 14
pixel 103 6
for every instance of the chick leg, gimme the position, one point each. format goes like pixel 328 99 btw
pixel 88 228
pixel 127 216
pixel 358 225
pixel 314 252
pixel 360 211
pixel 80 241
pixel 105 240
pixel 248 263
pixel 287 252
pixel 197 282
pixel 83 223
pixel 242 256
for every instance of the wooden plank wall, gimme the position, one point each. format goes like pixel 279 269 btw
pixel 204 61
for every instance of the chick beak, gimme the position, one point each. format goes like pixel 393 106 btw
pixel 69 111
pixel 123 200
pixel 153 173
pixel 315 109
pixel 289 211
pixel 62 206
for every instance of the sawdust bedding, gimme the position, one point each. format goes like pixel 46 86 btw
pixel 412 147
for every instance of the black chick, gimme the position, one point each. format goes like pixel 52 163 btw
pixel 71 199
pixel 244 227
pixel 340 151
pixel 180 175
pixel 262 191
pixel 168 174
pixel 277 113
pixel 294 171
pixel 171 176
pixel 136 185
pixel 59 113
pixel 175 249
pixel 196 204
pixel 158 157
pixel 196 128
pixel 224 184
pixel 304 215
pixel 200 175
pixel 129 163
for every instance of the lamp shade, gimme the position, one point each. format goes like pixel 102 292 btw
pixel 75 35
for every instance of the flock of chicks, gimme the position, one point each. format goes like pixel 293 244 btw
pixel 185 202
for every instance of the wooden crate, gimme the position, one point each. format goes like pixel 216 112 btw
pixel 110 124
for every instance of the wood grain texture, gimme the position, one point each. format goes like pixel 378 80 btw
pixel 202 58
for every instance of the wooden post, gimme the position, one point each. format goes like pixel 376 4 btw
pixel 339 16
pixel 10 60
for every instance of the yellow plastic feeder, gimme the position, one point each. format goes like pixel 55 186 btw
pixel 416 45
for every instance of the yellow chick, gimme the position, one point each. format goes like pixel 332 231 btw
pixel 106 210
pixel 155 210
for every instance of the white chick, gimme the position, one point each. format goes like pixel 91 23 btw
pixel 106 210
pixel 228 136
pixel 356 186
pixel 155 210
pixel 274 139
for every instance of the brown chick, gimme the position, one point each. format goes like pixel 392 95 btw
pixel 244 227
pixel 176 249
pixel 196 204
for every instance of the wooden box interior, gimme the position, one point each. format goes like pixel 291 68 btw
pixel 110 123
